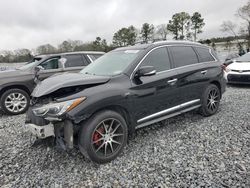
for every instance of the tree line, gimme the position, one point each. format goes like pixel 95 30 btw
pixel 236 31
pixel 181 26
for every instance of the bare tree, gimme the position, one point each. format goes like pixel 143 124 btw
pixel 229 27
pixel 162 31
pixel 244 13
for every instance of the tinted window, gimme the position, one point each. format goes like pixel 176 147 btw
pixel 183 55
pixel 50 64
pixel 159 59
pixel 74 61
pixel 204 55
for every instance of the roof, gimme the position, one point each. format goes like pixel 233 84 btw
pixel 158 43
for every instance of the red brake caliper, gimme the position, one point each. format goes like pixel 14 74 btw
pixel 97 136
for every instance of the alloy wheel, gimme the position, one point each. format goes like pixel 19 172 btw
pixel 107 138
pixel 213 100
pixel 15 102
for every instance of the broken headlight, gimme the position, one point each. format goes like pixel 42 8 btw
pixel 57 109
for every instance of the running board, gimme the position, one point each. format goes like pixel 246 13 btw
pixel 167 116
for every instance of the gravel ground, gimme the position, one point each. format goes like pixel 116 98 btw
pixel 189 151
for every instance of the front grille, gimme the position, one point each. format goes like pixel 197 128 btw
pixel 240 70
pixel 238 78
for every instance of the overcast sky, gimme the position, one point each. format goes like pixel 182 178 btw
pixel 29 23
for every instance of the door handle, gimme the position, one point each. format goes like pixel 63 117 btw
pixel 172 82
pixel 204 72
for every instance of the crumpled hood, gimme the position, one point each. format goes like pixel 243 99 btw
pixel 56 82
pixel 240 66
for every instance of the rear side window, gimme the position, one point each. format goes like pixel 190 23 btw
pixel 94 56
pixel 158 58
pixel 74 61
pixel 183 55
pixel 204 54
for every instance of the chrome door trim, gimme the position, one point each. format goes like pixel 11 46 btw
pixel 169 110
pixel 167 116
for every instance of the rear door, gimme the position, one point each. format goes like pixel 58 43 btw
pixel 75 62
pixel 190 79
pixel 156 93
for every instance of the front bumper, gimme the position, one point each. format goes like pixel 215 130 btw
pixel 62 131
pixel 41 131
pixel 238 78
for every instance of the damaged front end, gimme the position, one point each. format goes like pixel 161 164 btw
pixel 48 112
pixel 50 120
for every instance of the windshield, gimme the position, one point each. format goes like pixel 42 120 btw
pixel 112 63
pixel 30 63
pixel 244 58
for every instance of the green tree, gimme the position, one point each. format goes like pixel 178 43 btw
pixel 66 46
pixel 184 24
pixel 179 25
pixel 22 55
pixel 46 49
pixel 100 44
pixel 174 26
pixel 125 36
pixel 147 32
pixel 197 23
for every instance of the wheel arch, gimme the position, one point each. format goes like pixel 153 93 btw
pixel 15 86
pixel 123 112
pixel 217 83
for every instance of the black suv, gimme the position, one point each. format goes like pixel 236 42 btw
pixel 17 85
pixel 126 89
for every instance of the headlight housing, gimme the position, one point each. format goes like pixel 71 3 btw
pixel 57 109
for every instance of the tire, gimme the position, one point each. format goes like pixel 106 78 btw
pixel 97 142
pixel 15 101
pixel 210 100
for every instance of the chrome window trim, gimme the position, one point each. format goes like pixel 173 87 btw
pixel 168 45
pixel 89 58
pixel 169 110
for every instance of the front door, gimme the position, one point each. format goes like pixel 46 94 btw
pixel 155 95
pixel 50 67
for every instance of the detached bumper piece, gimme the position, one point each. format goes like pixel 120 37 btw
pixel 41 131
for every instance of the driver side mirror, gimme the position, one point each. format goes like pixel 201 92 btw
pixel 145 71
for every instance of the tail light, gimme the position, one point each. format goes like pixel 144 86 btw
pixel 225 68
